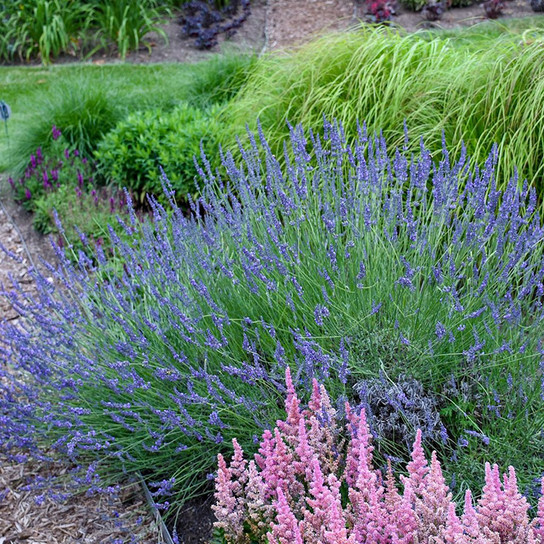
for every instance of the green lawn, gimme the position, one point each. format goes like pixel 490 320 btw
pixel 27 89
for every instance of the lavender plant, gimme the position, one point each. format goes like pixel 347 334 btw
pixel 155 367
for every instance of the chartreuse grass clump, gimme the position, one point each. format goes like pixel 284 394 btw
pixel 351 263
pixel 488 94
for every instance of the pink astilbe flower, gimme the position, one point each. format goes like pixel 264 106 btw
pixel 315 402
pixel 432 506
pixel 539 520
pixel 237 469
pixel 366 497
pixel 289 427
pixel 469 519
pixel 417 467
pixel 336 532
pixel 453 533
pixel 320 502
pixel 266 452
pixel 360 438
pixel 492 504
pixel 515 521
pixel 259 512
pixel 402 522
pixel 266 448
pixel 279 471
pixel 286 529
pixel 229 511
pixel 304 453
pixel 323 430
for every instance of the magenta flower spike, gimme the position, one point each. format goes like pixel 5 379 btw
pixel 417 467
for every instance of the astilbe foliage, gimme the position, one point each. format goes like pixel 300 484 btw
pixel 301 499
pixel 154 360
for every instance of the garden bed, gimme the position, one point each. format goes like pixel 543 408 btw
pixel 274 24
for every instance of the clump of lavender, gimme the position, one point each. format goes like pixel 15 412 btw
pixel 154 365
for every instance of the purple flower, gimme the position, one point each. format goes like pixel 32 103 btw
pixel 320 313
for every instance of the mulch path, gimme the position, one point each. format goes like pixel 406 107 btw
pixel 30 516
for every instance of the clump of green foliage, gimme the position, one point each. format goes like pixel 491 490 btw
pixel 49 28
pixel 134 152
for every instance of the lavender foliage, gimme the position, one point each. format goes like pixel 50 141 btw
pixel 156 364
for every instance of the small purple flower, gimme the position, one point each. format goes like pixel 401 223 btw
pixel 56 133
pixel 28 194
pixel 320 312
pixel 462 442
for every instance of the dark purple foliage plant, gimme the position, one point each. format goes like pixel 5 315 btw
pixel 493 8
pixel 155 365
pixel 205 20
pixel 434 10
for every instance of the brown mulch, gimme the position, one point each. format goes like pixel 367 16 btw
pixel 294 22
pixel 30 516
pixel 291 22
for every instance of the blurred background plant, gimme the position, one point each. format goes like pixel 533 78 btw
pixel 47 29
pixel 469 98
pixel 205 20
